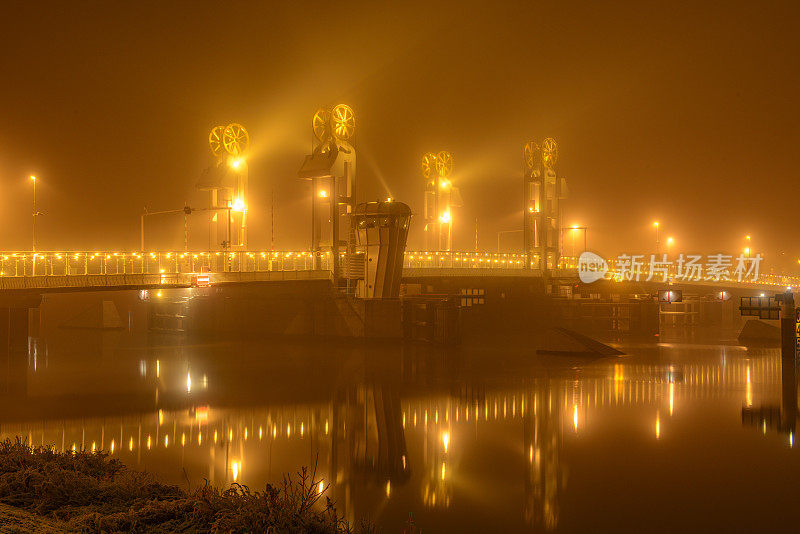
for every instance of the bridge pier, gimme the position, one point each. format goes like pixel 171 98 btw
pixel 14 329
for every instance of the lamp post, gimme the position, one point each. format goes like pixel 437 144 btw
pixel 574 228
pixel 656 226
pixel 35 214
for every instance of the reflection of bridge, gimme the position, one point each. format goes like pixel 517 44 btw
pixel 365 428
pixel 71 270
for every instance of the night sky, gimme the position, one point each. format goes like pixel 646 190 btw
pixel 686 114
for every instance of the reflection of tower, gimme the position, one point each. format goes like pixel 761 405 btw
pixel 368 447
pixel 227 181
pixel 543 191
pixel 440 198
pixel 542 433
pixel 331 168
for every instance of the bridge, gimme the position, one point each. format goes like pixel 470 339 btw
pixel 349 279
pixel 62 271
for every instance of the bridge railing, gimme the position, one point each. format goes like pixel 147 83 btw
pixel 82 263
pixel 493 260
pixel 464 260
pixel 86 263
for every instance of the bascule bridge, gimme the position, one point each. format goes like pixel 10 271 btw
pixel 331 169
pixel 226 182
pixel 543 192
pixel 440 199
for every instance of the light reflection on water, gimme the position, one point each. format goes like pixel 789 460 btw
pixel 498 439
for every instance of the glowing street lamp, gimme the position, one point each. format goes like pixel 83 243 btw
pixel 655 224
pixel 572 230
pixel 669 243
pixel 238 205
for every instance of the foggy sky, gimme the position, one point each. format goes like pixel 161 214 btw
pixel 686 114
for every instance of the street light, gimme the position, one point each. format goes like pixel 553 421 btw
pixel 35 213
pixel 574 228
pixel 669 243
pixel 656 226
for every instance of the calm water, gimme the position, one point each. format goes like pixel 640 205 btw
pixel 673 436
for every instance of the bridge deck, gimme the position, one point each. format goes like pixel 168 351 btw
pixel 70 270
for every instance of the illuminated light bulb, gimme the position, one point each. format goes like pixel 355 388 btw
pixel 111 448
pixel 148 442
pixel 238 205
pixel 235 468
pixel 446 440
pixel 236 163
pixel 130 444
pixel 320 488
pixel 323 194
pixel 183 439
pixel 166 441
pixel 445 218
pixel 188 383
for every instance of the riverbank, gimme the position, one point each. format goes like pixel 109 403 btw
pixel 43 490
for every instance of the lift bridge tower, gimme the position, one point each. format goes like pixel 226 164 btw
pixel 543 192
pixel 226 180
pixel 440 199
pixel 331 169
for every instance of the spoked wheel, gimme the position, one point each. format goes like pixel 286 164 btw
pixel 531 154
pixel 321 124
pixel 428 164
pixel 549 152
pixel 235 139
pixel 444 164
pixel 215 140
pixel 343 121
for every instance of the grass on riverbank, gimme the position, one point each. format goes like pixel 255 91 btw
pixel 92 493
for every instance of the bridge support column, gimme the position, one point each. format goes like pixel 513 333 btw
pixel 14 328
pixel 788 362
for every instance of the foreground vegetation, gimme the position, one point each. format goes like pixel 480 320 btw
pixel 90 492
